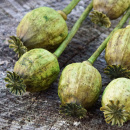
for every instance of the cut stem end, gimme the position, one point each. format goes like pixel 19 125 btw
pixel 62 14
pixel 74 110
pixel 17 45
pixel 116 71
pixel 100 19
pixel 15 83
pixel 115 112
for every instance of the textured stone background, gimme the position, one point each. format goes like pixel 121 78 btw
pixel 40 111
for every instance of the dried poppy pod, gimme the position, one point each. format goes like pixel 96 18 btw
pixel 79 88
pixel 34 71
pixel 42 27
pixel 118 54
pixel 80 83
pixel 106 10
pixel 116 101
pixel 38 68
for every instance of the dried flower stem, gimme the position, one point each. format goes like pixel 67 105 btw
pixel 70 6
pixel 73 31
pixel 103 45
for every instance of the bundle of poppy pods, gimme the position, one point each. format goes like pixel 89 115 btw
pixel 42 36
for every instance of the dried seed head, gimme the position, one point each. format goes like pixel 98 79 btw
pixel 108 9
pixel 118 54
pixel 42 28
pixel 100 19
pixel 115 113
pixel 37 69
pixel 80 83
pixel 116 101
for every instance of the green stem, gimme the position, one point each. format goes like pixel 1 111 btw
pixel 70 7
pixel 73 31
pixel 103 45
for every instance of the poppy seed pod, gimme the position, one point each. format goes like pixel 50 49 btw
pixel 106 10
pixel 118 54
pixel 41 28
pixel 79 88
pixel 116 101
pixel 80 83
pixel 38 68
pixel 34 72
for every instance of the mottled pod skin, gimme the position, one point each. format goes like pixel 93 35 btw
pixel 80 83
pixel 39 68
pixel 42 28
pixel 117 90
pixel 112 8
pixel 118 48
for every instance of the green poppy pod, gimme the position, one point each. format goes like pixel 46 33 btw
pixel 34 72
pixel 116 101
pixel 118 54
pixel 79 88
pixel 40 28
pixel 38 68
pixel 106 10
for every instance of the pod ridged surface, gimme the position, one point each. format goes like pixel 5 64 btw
pixel 118 89
pixel 112 8
pixel 39 68
pixel 42 28
pixel 80 83
pixel 118 48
